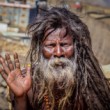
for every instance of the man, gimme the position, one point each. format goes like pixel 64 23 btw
pixel 65 73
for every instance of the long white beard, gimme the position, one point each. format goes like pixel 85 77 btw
pixel 56 70
pixel 60 71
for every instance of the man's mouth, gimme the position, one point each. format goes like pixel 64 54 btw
pixel 59 65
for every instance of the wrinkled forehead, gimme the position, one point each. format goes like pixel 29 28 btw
pixel 59 32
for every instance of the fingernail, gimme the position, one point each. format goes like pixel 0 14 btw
pixel 28 65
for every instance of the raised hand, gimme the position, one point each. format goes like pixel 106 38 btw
pixel 18 83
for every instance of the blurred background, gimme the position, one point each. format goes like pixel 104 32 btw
pixel 16 15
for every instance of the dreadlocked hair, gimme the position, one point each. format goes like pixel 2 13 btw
pixel 92 88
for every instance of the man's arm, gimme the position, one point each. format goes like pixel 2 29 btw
pixel 20 103
pixel 18 83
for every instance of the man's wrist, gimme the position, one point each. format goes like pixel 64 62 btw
pixel 20 103
pixel 21 98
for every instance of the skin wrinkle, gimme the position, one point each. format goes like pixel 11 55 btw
pixel 60 43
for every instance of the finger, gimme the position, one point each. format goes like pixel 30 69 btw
pixel 3 74
pixel 9 62
pixel 28 76
pixel 16 61
pixel 28 69
pixel 23 70
pixel 2 61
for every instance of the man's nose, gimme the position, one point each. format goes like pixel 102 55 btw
pixel 58 52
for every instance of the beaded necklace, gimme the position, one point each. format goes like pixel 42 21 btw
pixel 46 100
pixel 48 103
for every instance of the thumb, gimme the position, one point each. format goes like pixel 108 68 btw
pixel 28 69
pixel 28 82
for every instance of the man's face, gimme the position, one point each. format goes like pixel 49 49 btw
pixel 57 44
pixel 56 64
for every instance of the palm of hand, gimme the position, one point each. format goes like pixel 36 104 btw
pixel 18 83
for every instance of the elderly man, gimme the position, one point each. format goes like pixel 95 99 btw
pixel 65 75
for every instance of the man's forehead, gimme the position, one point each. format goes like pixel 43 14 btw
pixel 59 32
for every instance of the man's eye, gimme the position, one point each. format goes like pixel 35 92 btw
pixel 51 45
pixel 64 44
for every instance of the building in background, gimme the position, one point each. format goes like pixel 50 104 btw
pixel 20 13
